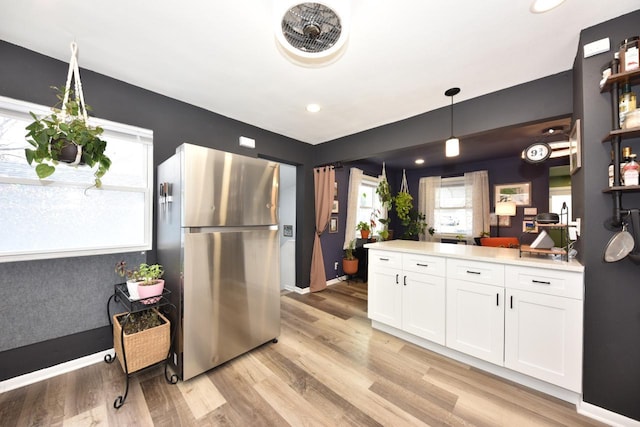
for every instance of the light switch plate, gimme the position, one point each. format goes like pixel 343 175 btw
pixel 247 142
pixel 596 47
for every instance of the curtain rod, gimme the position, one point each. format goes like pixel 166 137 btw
pixel 336 165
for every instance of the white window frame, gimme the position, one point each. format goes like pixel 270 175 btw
pixel 453 181
pixel 20 109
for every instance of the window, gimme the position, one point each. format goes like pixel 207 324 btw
pixel 452 216
pixel 61 216
pixel 368 202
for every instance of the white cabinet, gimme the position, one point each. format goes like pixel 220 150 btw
pixel 515 318
pixel 543 325
pixel 475 309
pixel 407 291
pixel 385 289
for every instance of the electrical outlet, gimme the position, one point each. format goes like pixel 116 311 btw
pixel 335 266
pixel 578 226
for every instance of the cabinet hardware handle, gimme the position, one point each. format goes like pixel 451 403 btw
pixel 473 272
pixel 397 275
pixel 383 259
pixel 422 265
pixel 541 282
pixel 511 302
pixel 498 300
pixel 405 280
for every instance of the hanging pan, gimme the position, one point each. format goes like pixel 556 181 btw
pixel 619 246
pixel 635 224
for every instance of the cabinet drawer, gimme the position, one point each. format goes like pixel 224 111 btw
pixel 551 282
pixel 388 259
pixel 426 264
pixel 475 271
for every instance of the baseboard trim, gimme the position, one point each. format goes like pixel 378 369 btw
pixel 297 290
pixel 605 416
pixel 53 371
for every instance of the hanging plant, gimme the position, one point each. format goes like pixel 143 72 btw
pixel 403 201
pixel 404 204
pixel 65 135
pixel 384 192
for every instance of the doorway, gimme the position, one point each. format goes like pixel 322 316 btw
pixel 287 226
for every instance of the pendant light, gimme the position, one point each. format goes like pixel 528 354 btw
pixel 452 147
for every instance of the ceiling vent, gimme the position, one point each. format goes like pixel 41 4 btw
pixel 312 34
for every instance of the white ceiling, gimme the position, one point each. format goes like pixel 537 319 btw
pixel 222 56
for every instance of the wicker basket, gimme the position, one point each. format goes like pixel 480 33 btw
pixel 143 348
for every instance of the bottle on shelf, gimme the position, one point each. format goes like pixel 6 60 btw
pixel 626 157
pixel 627 103
pixel 631 171
pixel 611 170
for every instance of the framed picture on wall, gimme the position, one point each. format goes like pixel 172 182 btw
pixel 575 148
pixel 334 207
pixel 333 224
pixel 519 193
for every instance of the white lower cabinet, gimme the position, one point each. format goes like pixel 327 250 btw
pixel 475 319
pixel 543 325
pixel 408 293
pixel 475 309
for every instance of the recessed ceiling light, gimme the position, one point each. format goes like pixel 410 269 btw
pixel 419 161
pixel 313 108
pixel 541 6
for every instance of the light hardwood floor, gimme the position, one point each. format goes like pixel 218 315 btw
pixel 329 368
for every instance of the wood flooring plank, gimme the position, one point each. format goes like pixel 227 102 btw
pixel 312 390
pixel 166 405
pixel 201 395
pixel 95 417
pixel 135 411
pixel 11 404
pixel 291 406
pixel 247 406
pixel 321 303
pixel 84 390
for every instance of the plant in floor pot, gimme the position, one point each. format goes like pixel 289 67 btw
pixel 350 262
pixel 133 277
pixel 146 338
pixel 151 284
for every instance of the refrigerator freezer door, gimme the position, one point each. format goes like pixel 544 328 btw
pixel 231 294
pixel 223 189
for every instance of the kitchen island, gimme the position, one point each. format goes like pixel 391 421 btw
pixel 519 317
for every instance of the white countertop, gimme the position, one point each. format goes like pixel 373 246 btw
pixel 478 253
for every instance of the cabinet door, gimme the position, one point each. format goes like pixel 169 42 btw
pixel 543 337
pixel 385 295
pixel 475 319
pixel 423 306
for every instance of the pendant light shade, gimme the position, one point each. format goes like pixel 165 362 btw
pixel 452 146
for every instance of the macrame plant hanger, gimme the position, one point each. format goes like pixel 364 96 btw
pixel 74 74
pixel 404 187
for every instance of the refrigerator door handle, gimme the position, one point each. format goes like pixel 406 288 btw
pixel 206 230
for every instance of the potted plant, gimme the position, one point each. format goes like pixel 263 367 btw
pixel 151 284
pixel 133 277
pixel 415 224
pixel 350 262
pixel 66 136
pixel 482 234
pixel 146 336
pixel 384 192
pixel 404 204
pixel 364 229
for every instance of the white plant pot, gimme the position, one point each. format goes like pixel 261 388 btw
pixel 132 287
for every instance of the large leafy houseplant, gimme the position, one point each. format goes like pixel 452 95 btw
pixel 66 130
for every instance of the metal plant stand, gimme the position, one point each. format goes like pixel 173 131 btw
pixel 121 296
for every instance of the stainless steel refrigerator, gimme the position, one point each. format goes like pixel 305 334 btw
pixel 218 242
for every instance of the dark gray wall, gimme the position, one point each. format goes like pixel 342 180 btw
pixel 612 291
pixel 74 298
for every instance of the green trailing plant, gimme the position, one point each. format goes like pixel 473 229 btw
pixel 383 190
pixel 404 204
pixel 55 133
pixel 415 224
pixel 150 273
